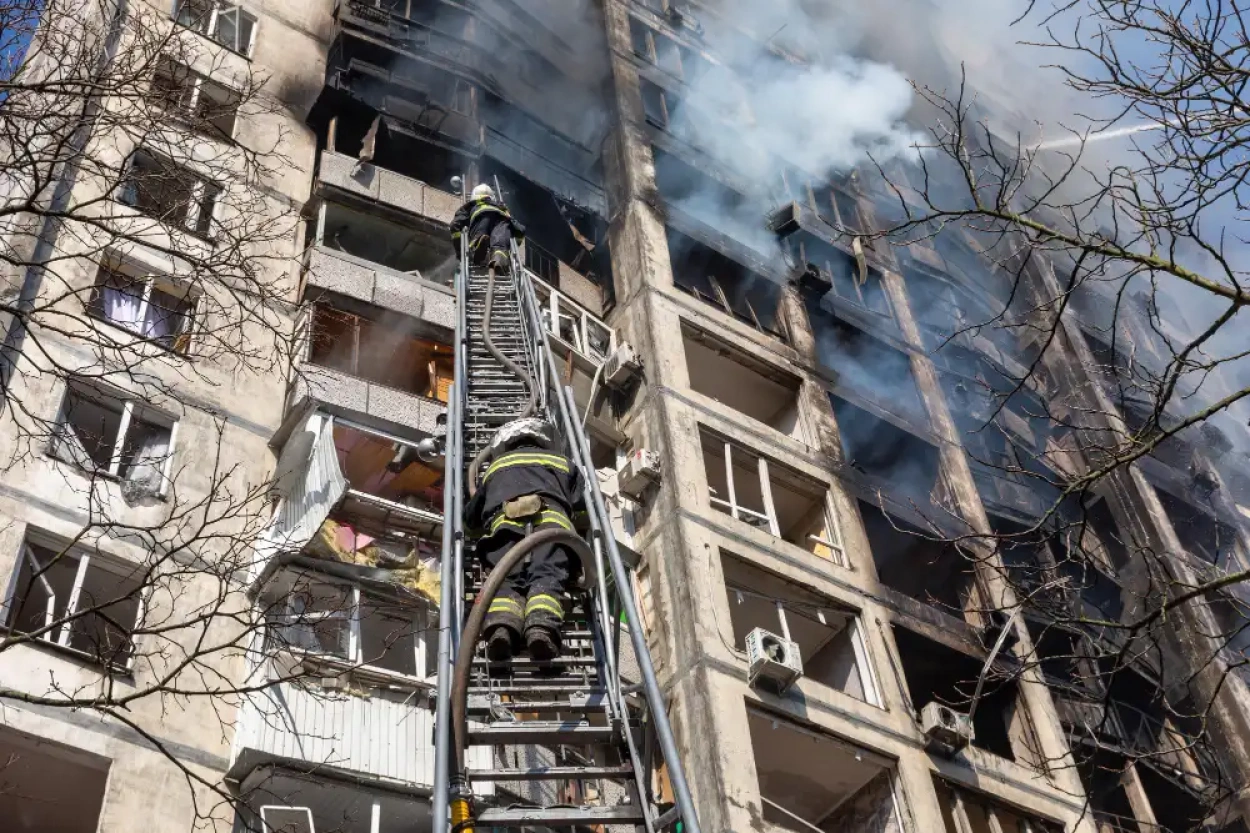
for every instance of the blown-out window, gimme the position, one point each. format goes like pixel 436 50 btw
pixel 83 601
pixel 114 436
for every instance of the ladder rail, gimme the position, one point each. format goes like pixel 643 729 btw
pixel 600 520
pixel 451 594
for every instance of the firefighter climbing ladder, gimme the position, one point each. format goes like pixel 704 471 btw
pixel 577 748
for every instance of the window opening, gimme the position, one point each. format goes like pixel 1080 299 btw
pixel 202 104
pixel 226 23
pixel 170 193
pixel 828 634
pixel 771 497
pixel 115 436
pixel 96 600
pixel 146 306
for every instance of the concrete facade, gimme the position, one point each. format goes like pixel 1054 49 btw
pixel 453 97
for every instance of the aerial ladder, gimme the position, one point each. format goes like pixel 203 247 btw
pixel 577 748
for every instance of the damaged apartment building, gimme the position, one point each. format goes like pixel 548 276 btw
pixel 812 420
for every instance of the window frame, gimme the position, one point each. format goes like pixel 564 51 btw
pixel 864 669
pixel 59 637
pixel 729 504
pixel 186 110
pixel 150 282
pixel 194 201
pixel 129 406
pixel 208 29
pixel 355 659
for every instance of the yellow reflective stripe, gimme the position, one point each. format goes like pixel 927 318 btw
pixel 552 606
pixel 454 235
pixel 504 520
pixel 551 516
pixel 486 207
pixel 504 606
pixel 547 516
pixel 552 461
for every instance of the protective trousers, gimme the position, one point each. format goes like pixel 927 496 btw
pixel 494 247
pixel 535 591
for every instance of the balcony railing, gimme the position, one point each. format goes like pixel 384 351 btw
pixel 571 324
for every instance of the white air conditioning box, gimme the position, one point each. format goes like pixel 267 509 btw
pixel 621 367
pixel 641 469
pixel 773 658
pixel 945 730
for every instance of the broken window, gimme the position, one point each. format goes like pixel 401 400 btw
pixel 809 779
pixel 375 465
pixel 169 192
pixel 111 435
pixel 149 307
pixel 337 621
pixel 50 788
pixel 722 282
pixel 83 601
pixel 226 23
pixel 830 644
pixel 934 301
pixel 569 322
pixel 837 207
pixel 387 242
pixel 770 497
pixel 659 106
pixel 1104 774
pixel 842 270
pixel 564 232
pixel 1200 532
pixel 936 673
pixel 889 456
pixel 731 378
pixel 912 562
pixel 204 105
pixel 382 351
pixel 864 363
pixel 664 52
pixel 964 811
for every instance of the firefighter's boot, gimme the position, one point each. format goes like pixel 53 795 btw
pixel 544 613
pixel 503 626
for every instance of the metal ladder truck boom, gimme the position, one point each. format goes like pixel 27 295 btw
pixel 584 729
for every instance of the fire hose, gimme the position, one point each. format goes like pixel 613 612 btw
pixel 512 366
pixel 461 803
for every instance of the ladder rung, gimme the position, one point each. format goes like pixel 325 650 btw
pixel 521 664
pixel 559 816
pixel 543 732
pixel 483 705
pixel 552 773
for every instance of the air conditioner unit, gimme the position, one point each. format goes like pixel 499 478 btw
pixel 641 469
pixel 287 819
pixel 946 731
pixel 773 658
pixel 621 367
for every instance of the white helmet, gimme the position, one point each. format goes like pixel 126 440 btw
pixel 537 431
pixel 483 192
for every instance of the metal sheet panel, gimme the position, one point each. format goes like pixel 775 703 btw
pixel 310 492
pixel 386 734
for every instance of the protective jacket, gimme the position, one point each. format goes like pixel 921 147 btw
pixel 484 221
pixel 524 471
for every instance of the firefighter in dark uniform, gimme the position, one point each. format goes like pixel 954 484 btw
pixel 527 487
pixel 489 229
